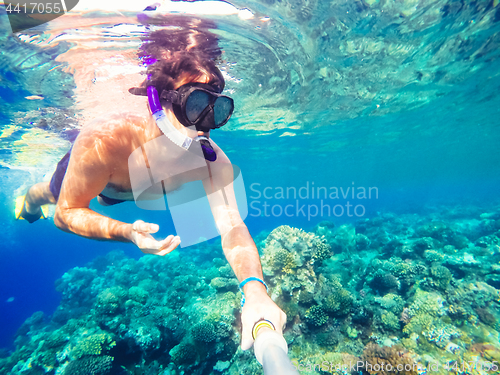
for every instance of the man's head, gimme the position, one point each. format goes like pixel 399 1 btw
pixel 181 66
pixel 176 57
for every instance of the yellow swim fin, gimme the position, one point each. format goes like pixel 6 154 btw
pixel 21 213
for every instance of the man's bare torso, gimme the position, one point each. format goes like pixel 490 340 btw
pixel 116 140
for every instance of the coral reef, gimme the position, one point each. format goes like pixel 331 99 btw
pixel 316 316
pixel 387 360
pixel 90 366
pixel 399 290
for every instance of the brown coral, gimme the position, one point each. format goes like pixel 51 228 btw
pixel 486 317
pixel 387 360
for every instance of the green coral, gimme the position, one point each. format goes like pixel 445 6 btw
pixel 321 250
pixel 391 302
pixel 183 353
pixel 305 297
pixel 226 271
pixel 47 359
pixel 138 294
pixel 338 303
pixel 211 273
pixel 328 339
pixel 109 300
pixel 92 365
pixel 433 256
pixel 390 321
pixel 400 268
pixel 422 312
pixel 418 323
pixel 55 340
pixel 224 284
pixel 442 276
pixel 204 332
pixel 283 261
pixel 316 316
pixel 93 345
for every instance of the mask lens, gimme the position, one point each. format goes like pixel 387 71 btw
pixel 223 108
pixel 196 102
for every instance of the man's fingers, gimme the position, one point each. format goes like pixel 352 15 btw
pixel 141 226
pixel 246 337
pixel 247 324
pixel 169 244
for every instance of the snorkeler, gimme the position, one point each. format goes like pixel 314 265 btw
pixel 184 94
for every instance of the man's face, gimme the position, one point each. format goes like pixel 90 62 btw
pixel 185 79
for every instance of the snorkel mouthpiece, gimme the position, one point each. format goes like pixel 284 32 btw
pixel 207 148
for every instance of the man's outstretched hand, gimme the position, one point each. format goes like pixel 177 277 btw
pixel 140 234
pixel 258 305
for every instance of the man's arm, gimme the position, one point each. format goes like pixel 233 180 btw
pixel 239 249
pixel 88 173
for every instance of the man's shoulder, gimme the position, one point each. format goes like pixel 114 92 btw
pixel 111 130
pixel 116 121
pixel 114 125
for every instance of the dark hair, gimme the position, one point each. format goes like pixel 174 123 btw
pixel 171 52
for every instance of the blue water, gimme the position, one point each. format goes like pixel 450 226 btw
pixel 416 155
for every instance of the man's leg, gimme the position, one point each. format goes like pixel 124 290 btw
pixel 38 195
pixel 42 193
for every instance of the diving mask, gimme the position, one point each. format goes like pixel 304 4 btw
pixel 199 105
pixel 171 132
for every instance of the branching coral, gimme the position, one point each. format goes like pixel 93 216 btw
pixel 110 300
pixel 338 303
pixel 321 250
pixel 95 344
pixel 138 294
pixel 283 261
pixel 223 284
pixel 442 276
pixel 384 282
pixel 204 332
pixel 390 321
pixel 422 312
pixel 433 256
pixel 285 241
pixel 93 365
pixel 183 353
pixel 441 335
pixel 316 316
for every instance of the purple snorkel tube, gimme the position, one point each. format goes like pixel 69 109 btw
pixel 164 123
pixel 169 130
pixel 154 100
